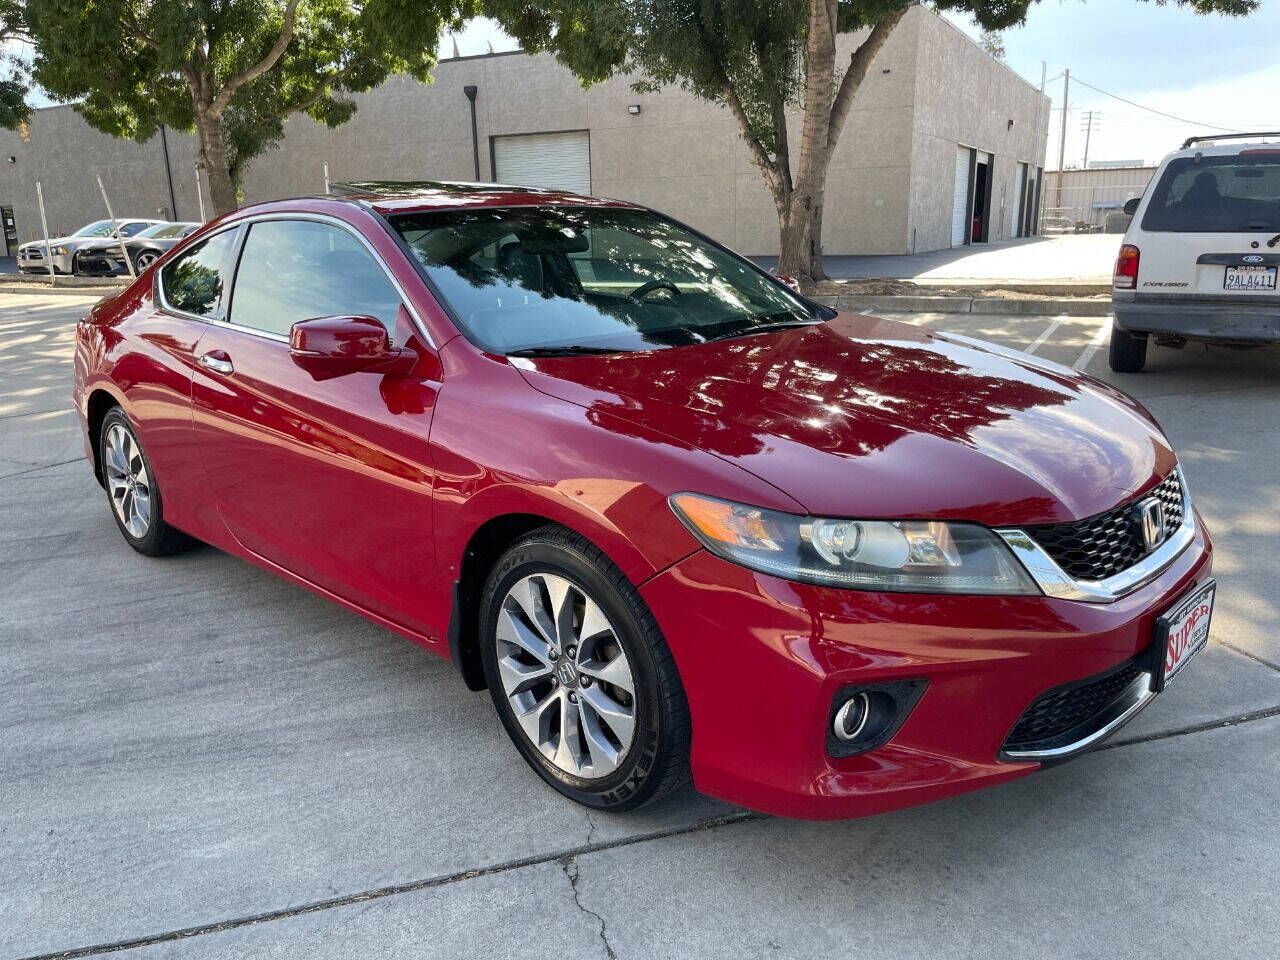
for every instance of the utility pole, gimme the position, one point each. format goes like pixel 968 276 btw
pixel 1091 121
pixel 1062 143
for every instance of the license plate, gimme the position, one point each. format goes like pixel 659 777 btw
pixel 1250 278
pixel 1182 633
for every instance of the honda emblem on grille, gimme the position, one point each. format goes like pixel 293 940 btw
pixel 1151 516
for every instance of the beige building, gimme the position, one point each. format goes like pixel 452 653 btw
pixel 944 146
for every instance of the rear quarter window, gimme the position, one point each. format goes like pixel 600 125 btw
pixel 1225 194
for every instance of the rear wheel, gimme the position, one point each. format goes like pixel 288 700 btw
pixel 1128 352
pixel 580 674
pixel 132 489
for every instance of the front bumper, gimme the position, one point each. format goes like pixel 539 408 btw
pixel 762 659
pixel 99 263
pixel 61 263
pixel 1208 319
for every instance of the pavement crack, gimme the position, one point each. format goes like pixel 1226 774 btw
pixel 712 823
pixel 1263 714
pixel 570 867
pixel 1245 653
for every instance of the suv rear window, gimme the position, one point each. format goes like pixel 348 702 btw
pixel 1228 194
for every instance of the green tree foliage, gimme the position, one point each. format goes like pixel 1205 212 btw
pixel 13 69
pixel 993 43
pixel 232 70
pixel 758 58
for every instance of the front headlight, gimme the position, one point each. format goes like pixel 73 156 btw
pixel 60 251
pixel 910 556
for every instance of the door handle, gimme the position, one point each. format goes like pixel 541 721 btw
pixel 218 362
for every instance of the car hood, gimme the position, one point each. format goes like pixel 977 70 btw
pixel 868 417
pixel 70 242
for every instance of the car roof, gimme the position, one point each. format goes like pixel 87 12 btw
pixel 1230 148
pixel 410 196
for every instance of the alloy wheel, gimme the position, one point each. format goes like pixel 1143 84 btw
pixel 566 675
pixel 146 259
pixel 128 482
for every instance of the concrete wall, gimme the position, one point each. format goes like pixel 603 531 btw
pixel 65 154
pixel 968 100
pixel 888 190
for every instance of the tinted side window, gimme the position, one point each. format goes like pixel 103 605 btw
pixel 129 229
pixel 193 281
pixel 293 270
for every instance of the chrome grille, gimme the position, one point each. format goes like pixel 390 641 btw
pixel 1110 543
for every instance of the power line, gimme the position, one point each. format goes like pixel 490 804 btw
pixel 1105 93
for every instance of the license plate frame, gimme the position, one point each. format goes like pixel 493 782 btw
pixel 1237 272
pixel 1186 626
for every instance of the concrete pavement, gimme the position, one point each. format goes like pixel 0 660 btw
pixel 1085 257
pixel 198 759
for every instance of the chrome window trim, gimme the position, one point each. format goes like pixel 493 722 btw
pixel 1056 582
pixel 247 223
pixel 1138 694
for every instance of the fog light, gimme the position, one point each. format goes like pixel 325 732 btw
pixel 867 716
pixel 851 718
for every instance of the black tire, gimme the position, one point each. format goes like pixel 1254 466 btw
pixel 1128 353
pixel 159 539
pixel 657 760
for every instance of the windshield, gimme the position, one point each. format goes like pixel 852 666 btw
pixel 100 228
pixel 165 231
pixel 521 279
pixel 1239 193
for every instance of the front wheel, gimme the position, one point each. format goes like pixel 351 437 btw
pixel 144 260
pixel 580 674
pixel 1128 353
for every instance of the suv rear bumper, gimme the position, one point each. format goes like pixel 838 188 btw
pixel 1200 319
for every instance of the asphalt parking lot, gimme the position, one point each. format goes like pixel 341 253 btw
pixel 200 760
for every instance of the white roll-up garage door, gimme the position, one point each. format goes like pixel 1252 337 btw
pixel 554 161
pixel 960 208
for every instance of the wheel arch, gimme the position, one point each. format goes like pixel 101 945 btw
pixel 100 401
pixel 489 542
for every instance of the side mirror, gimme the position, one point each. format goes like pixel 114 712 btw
pixel 328 347
pixel 1131 206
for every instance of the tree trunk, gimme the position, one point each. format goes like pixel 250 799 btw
pixel 816 271
pixel 795 225
pixel 213 154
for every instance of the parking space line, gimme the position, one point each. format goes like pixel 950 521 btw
pixel 1040 341
pixel 1083 360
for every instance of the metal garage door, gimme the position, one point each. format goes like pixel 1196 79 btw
pixel 1019 192
pixel 555 161
pixel 960 208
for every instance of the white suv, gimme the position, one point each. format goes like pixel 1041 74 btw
pixel 1200 259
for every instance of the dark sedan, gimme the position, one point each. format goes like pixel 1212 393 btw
pixel 103 258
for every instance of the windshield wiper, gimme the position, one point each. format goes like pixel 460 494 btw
pixel 765 328
pixel 566 350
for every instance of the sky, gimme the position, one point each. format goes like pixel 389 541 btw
pixel 1213 71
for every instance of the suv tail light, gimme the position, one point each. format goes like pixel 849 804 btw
pixel 1126 276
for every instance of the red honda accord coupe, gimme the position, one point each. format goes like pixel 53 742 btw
pixel 677 519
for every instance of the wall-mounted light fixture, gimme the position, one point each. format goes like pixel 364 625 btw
pixel 633 108
pixel 1010 124
pixel 13 159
